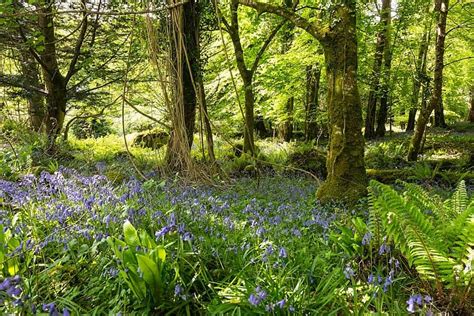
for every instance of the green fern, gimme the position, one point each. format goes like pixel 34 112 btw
pixel 435 236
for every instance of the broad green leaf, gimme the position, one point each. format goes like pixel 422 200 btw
pixel 130 234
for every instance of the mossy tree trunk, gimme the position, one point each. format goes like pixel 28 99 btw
pixel 441 6
pixel 313 78
pixel 347 178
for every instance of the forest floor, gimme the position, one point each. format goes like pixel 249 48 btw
pixel 84 235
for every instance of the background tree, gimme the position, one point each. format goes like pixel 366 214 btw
pixel 441 6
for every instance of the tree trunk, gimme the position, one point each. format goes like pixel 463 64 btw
pixel 313 76
pixel 471 109
pixel 439 120
pixel 386 18
pixel 36 106
pixel 436 96
pixel 286 129
pixel 420 77
pixel 191 67
pixel 184 56
pixel 249 140
pixel 380 48
pixel 347 179
pixel 54 81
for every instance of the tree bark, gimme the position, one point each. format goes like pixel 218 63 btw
pixel 436 97
pixel 471 109
pixel 380 48
pixel 54 81
pixel 346 178
pixel 36 106
pixel 185 65
pixel 313 76
pixel 286 129
pixel 386 17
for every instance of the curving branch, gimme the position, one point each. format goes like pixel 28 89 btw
pixel 288 14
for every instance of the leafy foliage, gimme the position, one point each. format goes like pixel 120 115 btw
pixel 435 236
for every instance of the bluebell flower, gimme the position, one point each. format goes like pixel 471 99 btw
pixel 348 272
pixel 366 239
pixel 254 300
pixel 281 303
pixel 282 253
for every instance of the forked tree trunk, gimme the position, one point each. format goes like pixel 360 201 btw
pixel 347 179
pixel 436 97
pixel 313 77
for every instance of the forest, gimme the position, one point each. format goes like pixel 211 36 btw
pixel 236 157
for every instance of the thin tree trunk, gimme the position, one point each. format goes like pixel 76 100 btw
pixel 286 129
pixel 436 97
pixel 386 17
pixel 439 120
pixel 376 70
pixel 249 140
pixel 419 79
pixel 471 109
pixel 313 76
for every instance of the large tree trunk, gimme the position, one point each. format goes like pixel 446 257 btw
pixel 347 179
pixel 54 81
pixel 380 51
pixel 185 63
pixel 313 77
pixel 436 97
pixel 36 106
pixel 191 66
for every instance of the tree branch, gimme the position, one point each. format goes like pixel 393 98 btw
pixel 77 49
pixel 15 81
pixel 296 19
pixel 265 46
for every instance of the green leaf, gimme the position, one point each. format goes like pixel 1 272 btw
pixel 151 275
pixel 130 234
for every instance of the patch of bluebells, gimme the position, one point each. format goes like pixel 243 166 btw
pixel 418 302
pixel 89 208
pixel 11 290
